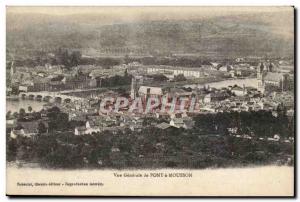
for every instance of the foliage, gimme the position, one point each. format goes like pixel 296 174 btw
pixel 208 144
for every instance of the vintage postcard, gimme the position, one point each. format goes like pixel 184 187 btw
pixel 150 101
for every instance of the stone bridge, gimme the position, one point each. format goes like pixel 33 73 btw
pixel 49 97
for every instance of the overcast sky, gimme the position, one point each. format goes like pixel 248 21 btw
pixel 153 13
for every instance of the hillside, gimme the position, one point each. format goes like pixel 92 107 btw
pixel 242 35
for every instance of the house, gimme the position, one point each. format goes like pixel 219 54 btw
pixel 115 149
pixel 92 83
pixel 187 72
pixel 232 130
pixel 57 83
pixel 136 127
pixel 163 126
pixel 238 91
pixel 93 130
pixel 25 88
pixel 77 116
pixel 162 115
pixel 91 123
pixel 244 108
pixel 24 132
pixel 290 113
pixel 16 133
pixel 215 96
pixel 41 73
pixel 232 73
pixel 207 98
pixel 225 68
pixel 30 127
pixel 188 122
pixel 80 130
pixel 41 84
pixel 215 64
pixel 30 132
pixel 239 59
pixel 147 91
pixel 179 93
pixel 177 122
pixel 96 124
pixel 276 137
pixel 10 123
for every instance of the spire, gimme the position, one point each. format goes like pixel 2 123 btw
pixel 12 70
pixel 270 67
pixel 261 68
pixel 133 84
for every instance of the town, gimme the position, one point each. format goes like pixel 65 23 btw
pixel 238 102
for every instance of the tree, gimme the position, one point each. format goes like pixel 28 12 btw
pixel 15 114
pixel 8 114
pixel 29 109
pixel 18 127
pixel 54 109
pixel 159 77
pixel 75 58
pixel 179 77
pixel 42 128
pixel 22 113
pixel 126 59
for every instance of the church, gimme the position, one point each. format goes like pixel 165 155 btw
pixel 269 80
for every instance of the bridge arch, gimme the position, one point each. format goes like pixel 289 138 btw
pixel 67 100
pixel 23 96
pixel 47 98
pixel 58 99
pixel 39 97
pixel 31 96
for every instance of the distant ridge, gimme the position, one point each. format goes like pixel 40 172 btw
pixel 239 36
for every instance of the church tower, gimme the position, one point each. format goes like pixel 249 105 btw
pixel 12 70
pixel 136 82
pixel 259 75
pixel 133 88
pixel 271 67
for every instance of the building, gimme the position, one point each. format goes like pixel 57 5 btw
pixel 185 122
pixel 25 129
pixel 136 82
pixel 80 130
pixel 187 72
pixel 147 91
pixel 238 91
pixel 163 126
pixel 177 122
pixel 269 80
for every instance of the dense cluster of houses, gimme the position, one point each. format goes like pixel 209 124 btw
pixel 207 99
pixel 57 78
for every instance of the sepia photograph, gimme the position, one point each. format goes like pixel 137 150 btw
pixel 150 101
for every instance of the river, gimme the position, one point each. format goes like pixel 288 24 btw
pixel 16 105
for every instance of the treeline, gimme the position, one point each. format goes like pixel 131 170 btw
pixel 67 58
pixel 151 148
pixel 260 123
pixel 71 58
pixel 116 81
pixel 206 145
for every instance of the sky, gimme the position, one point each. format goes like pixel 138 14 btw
pixel 153 13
